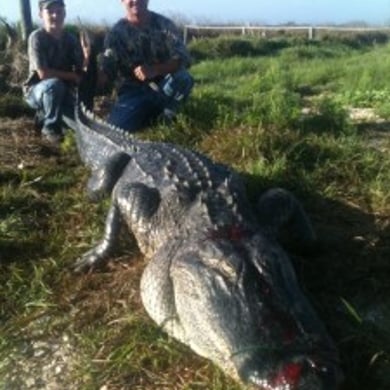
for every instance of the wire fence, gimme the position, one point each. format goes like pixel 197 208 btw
pixel 310 32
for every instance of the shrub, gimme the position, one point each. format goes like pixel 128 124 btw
pixel 12 106
pixel 227 46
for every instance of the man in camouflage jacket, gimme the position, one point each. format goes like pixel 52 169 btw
pixel 146 57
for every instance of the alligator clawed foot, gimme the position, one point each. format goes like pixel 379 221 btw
pixel 90 261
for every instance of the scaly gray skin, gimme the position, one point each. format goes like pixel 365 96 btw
pixel 216 279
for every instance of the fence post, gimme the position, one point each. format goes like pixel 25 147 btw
pixel 310 33
pixel 185 34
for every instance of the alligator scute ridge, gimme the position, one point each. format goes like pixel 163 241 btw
pixel 217 279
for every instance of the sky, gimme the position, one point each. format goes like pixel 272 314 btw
pixel 316 12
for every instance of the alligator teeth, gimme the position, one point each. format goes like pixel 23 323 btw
pixel 87 112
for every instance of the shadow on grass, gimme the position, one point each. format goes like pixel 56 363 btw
pixel 327 122
pixel 381 127
pixel 12 251
pixel 347 280
pixel 346 277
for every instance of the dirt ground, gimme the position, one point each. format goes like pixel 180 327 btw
pixel 19 144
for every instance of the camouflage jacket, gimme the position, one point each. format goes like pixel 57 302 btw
pixel 127 46
pixel 45 51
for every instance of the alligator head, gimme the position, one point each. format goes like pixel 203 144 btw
pixel 236 300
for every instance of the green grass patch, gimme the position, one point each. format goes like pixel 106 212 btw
pixel 277 112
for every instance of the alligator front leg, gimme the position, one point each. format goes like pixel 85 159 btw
pixel 98 255
pixel 104 178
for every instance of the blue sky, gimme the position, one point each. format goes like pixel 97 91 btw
pixel 243 11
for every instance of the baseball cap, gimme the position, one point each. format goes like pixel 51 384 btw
pixel 47 3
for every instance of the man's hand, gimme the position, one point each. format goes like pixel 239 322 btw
pixel 149 72
pixel 145 72
pixel 48 73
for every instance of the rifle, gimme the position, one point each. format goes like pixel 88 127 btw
pixel 87 87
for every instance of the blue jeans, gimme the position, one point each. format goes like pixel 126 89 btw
pixel 139 104
pixel 51 98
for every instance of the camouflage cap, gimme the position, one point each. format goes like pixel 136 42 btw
pixel 47 3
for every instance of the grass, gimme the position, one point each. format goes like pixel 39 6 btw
pixel 278 115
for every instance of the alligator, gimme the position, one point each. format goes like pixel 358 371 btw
pixel 216 278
